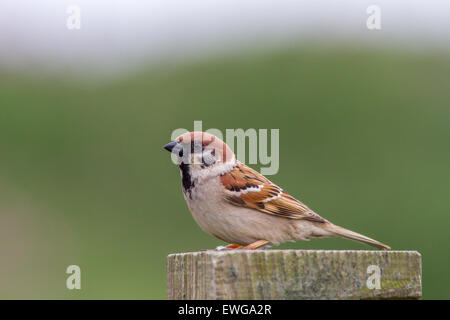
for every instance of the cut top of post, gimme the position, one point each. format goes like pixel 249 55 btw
pixel 294 274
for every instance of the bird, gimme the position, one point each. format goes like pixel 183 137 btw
pixel 240 206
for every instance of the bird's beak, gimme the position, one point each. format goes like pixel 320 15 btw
pixel 169 147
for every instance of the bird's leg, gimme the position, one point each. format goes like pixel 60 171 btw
pixel 233 246
pixel 229 247
pixel 255 245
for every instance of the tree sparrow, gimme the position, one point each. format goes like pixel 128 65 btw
pixel 240 206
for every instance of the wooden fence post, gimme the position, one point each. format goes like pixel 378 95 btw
pixel 294 274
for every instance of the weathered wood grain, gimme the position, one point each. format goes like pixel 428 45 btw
pixel 294 274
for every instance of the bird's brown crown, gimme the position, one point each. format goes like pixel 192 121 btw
pixel 208 141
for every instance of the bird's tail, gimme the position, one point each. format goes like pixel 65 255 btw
pixel 345 233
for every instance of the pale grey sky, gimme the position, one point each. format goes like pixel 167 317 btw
pixel 119 33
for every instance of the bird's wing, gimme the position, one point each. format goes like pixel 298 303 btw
pixel 245 187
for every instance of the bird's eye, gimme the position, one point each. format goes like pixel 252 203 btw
pixel 179 149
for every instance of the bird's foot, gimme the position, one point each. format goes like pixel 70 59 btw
pixel 229 247
pixel 260 244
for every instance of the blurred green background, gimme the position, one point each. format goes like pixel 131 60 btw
pixel 364 141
